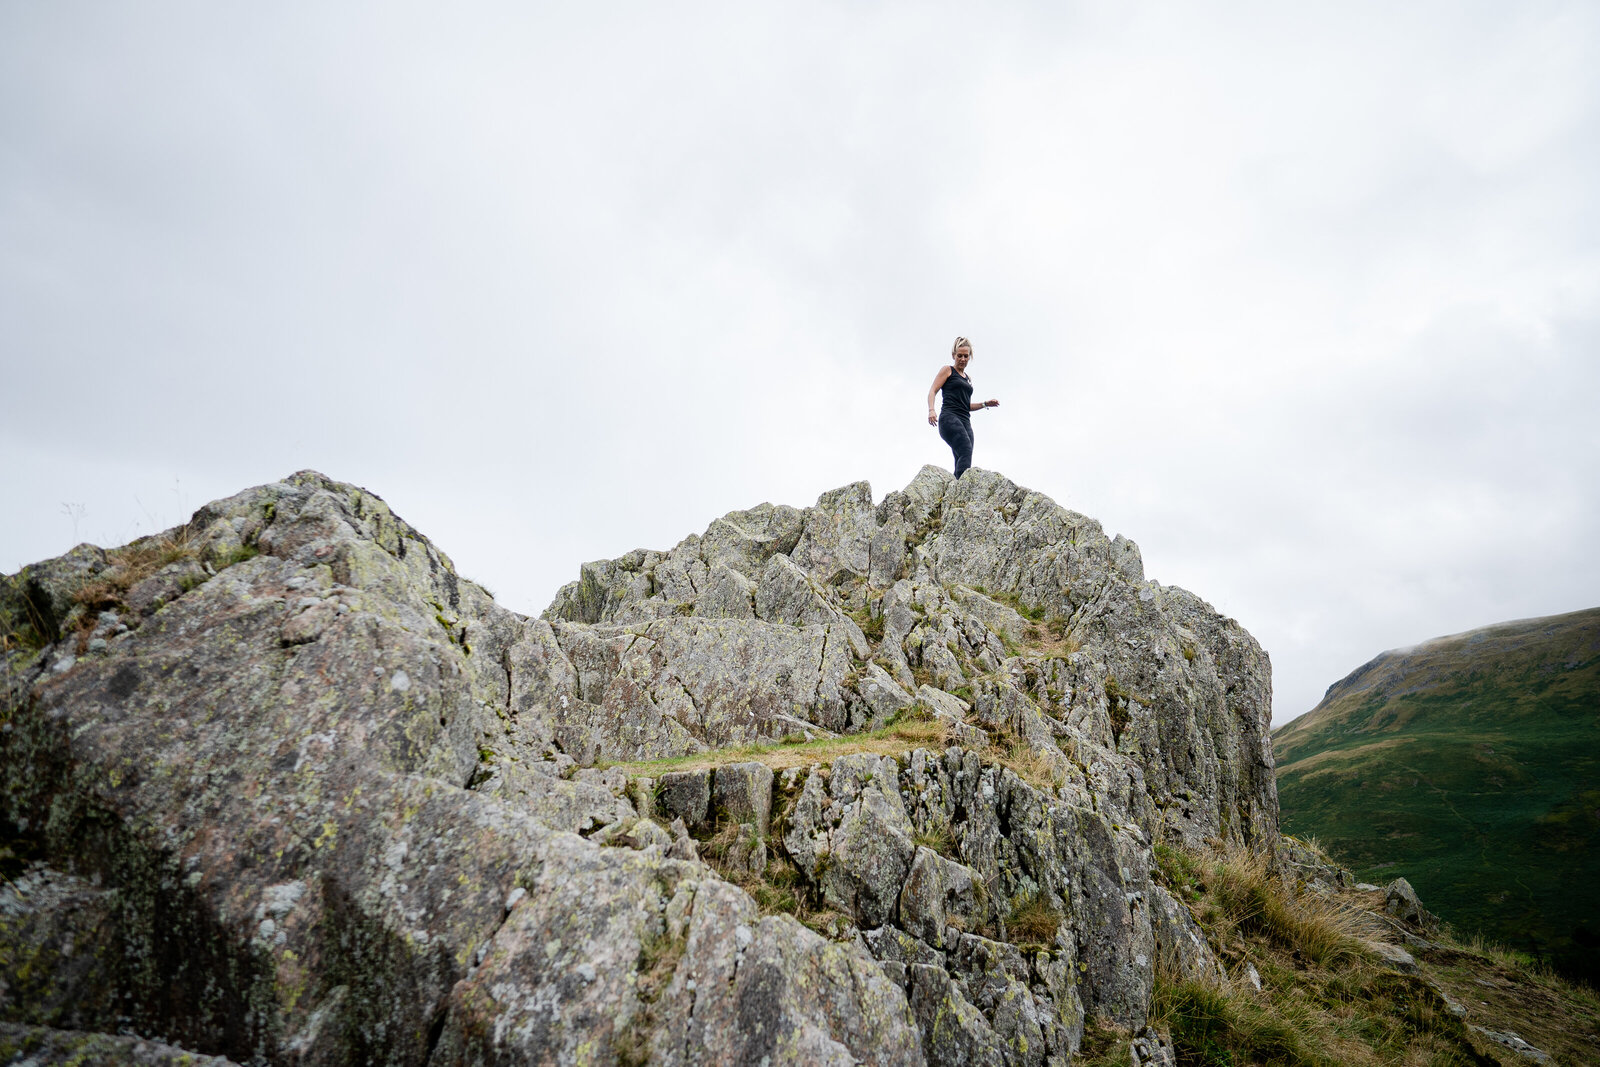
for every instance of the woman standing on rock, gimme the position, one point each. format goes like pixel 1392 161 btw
pixel 955 414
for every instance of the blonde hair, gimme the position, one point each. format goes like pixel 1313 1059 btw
pixel 959 342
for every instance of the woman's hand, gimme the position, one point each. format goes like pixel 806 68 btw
pixel 991 403
pixel 933 420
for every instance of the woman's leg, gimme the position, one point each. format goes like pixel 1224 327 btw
pixel 957 433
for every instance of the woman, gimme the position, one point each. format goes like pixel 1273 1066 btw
pixel 955 415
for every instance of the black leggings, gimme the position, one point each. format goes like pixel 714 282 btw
pixel 957 433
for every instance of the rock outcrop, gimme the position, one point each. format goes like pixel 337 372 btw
pixel 280 786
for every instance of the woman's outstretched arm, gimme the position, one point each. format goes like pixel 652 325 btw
pixel 983 404
pixel 938 383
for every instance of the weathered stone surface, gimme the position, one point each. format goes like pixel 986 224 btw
pixel 685 795
pixel 1179 939
pixel 954 1033
pixel 59 936
pixel 936 892
pixel 303 871
pixel 742 793
pixel 1401 901
pixel 849 833
pixel 1394 956
pixel 1510 1039
pixel 349 809
pixel 883 695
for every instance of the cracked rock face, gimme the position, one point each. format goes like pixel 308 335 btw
pixel 280 787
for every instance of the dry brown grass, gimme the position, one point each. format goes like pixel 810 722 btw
pixel 130 565
pixel 1027 762
pixel 1326 999
pixel 1248 896
pixel 1033 921
pixel 1052 639
pixel 938 836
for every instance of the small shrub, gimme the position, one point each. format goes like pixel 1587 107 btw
pixel 1025 761
pixel 658 961
pixel 1179 871
pixel 38 626
pixel 1053 638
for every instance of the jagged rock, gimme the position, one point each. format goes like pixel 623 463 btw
pixel 742 793
pixel 1150 1049
pixel 685 795
pixel 850 834
pixel 727 595
pixel 1394 956
pixel 38 599
pixel 1179 938
pixel 1512 1040
pixel 303 871
pixel 952 711
pixel 1401 901
pixel 883 695
pixel 937 892
pixel 349 808
pixel 995 978
pixel 954 1033
pixel 640 834
pixel 1314 868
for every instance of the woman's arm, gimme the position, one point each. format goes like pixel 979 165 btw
pixel 984 404
pixel 938 383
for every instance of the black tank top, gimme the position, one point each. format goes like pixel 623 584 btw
pixel 957 393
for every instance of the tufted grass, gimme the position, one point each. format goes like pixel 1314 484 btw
pixel 130 565
pixel 1244 894
pixel 1327 999
pixel 937 836
pixel 1033 921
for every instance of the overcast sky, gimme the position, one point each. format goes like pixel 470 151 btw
pixel 1302 298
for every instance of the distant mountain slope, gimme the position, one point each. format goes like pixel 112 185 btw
pixel 1470 764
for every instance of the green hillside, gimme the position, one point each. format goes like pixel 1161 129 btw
pixel 1471 765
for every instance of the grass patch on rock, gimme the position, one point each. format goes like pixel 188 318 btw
pixel 1023 760
pixel 913 731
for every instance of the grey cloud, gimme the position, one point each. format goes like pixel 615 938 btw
pixel 1304 302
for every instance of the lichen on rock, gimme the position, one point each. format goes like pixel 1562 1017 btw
pixel 304 795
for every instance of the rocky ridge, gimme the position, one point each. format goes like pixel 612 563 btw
pixel 284 788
